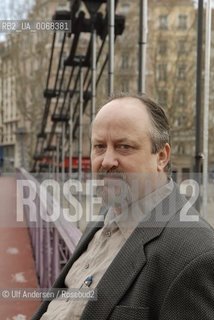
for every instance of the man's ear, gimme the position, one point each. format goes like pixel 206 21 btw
pixel 163 157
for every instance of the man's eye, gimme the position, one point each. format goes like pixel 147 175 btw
pixel 124 147
pixel 99 146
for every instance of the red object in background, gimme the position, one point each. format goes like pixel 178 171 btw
pixel 86 163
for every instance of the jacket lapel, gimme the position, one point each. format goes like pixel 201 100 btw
pixel 130 260
pixel 117 279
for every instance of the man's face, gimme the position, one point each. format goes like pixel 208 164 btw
pixel 121 143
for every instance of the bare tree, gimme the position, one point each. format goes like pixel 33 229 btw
pixel 29 54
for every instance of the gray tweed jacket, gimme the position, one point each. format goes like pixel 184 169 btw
pixel 164 271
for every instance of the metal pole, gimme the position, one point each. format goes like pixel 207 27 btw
pixel 93 67
pixel 53 165
pixel 111 6
pixel 49 167
pixel 80 124
pixel 70 140
pixel 142 45
pixel 22 150
pixel 80 135
pixel 57 157
pixel 198 142
pixel 93 84
pixel 63 151
pixel 206 104
pixel 47 278
pixel 198 147
pixel 55 261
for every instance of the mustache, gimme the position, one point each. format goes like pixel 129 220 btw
pixel 115 174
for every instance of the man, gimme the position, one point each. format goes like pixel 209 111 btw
pixel 150 259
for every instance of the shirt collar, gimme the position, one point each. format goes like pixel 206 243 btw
pixel 131 216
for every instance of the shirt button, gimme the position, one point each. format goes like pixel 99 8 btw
pixel 108 233
pixel 87 266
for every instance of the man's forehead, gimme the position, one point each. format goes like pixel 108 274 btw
pixel 122 107
pixel 122 120
pixel 129 102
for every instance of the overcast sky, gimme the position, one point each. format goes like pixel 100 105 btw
pixel 14 10
pixel 10 9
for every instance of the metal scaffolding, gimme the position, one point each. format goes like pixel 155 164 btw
pixel 76 80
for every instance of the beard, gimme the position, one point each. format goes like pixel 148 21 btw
pixel 116 191
pixel 120 189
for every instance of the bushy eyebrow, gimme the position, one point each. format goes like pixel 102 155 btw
pixel 117 141
pixel 125 141
pixel 121 140
pixel 96 140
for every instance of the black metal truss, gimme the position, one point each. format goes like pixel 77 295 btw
pixel 62 93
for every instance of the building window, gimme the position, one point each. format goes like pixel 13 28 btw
pixel 179 122
pixel 163 22
pixel 125 7
pixel 180 98
pixel 162 49
pixel 181 72
pixel 125 61
pixel 181 149
pixel 161 72
pixel 182 46
pixel 182 21
pixel 162 97
pixel 185 171
pixel 125 86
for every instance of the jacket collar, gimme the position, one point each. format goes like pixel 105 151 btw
pixel 131 259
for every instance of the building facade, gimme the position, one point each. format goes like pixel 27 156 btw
pixel 24 62
pixel 170 78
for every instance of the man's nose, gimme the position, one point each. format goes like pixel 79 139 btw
pixel 109 159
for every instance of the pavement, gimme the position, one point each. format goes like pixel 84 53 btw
pixel 17 270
